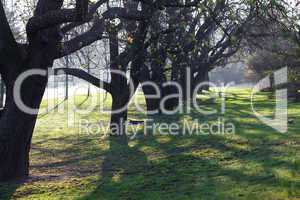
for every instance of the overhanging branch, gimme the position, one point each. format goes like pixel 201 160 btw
pixel 83 40
pixel 79 73
pixel 92 10
pixel 51 18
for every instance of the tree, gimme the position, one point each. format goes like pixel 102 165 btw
pixel 271 45
pixel 274 55
pixel 44 33
pixel 206 34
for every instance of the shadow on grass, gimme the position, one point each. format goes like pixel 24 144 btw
pixel 121 161
pixel 254 164
pixel 8 189
pixel 257 163
pixel 181 173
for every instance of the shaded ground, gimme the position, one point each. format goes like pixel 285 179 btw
pixel 255 163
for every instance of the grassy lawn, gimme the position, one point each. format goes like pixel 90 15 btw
pixel 255 163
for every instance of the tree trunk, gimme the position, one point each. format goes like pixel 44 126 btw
pixel 293 92
pixel 17 129
pixel 201 77
pixel 151 103
pixel 118 119
pixel 17 126
pixel 121 97
pixel 186 83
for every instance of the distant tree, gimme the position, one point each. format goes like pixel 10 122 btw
pixel 264 63
pixel 205 36
pixel 274 50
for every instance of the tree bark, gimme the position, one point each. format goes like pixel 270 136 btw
pixel 151 103
pixel 118 119
pixel 15 124
pixel 118 92
pixel 201 77
pixel 17 129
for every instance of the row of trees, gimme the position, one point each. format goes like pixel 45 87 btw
pixel 277 49
pixel 151 40
pixel 206 37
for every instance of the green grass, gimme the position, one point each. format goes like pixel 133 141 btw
pixel 255 163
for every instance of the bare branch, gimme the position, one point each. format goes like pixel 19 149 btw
pixel 116 12
pixel 49 19
pixel 83 40
pixel 91 12
pixel 96 32
pixel 79 73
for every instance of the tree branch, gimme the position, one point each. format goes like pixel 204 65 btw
pixel 96 32
pixel 51 18
pixel 79 73
pixel 83 40
pixel 8 44
pixel 56 17
pixel 91 12
pixel 116 12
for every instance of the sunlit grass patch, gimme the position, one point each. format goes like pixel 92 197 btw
pixel 254 163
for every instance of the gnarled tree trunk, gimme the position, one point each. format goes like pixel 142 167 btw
pixel 16 125
pixel 17 129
